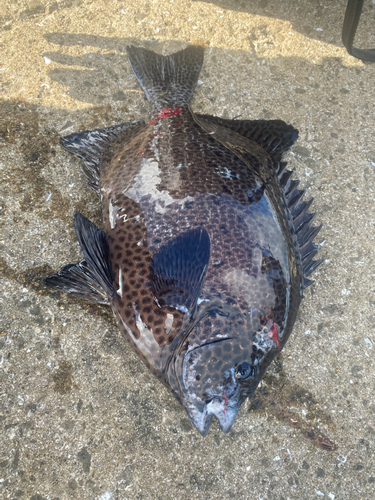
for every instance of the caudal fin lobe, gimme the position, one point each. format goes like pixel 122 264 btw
pixel 167 81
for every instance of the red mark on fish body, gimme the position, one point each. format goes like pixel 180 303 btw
pixel 167 113
pixel 274 330
pixel 225 401
pixel 268 317
pixel 274 334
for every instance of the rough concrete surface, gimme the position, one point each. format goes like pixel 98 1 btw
pixel 81 417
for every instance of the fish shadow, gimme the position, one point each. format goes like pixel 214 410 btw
pixel 103 77
pixel 311 19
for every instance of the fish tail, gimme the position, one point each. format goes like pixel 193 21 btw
pixel 167 81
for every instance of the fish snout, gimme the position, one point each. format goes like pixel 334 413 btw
pixel 223 409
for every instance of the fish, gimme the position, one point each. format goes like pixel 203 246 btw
pixel 206 247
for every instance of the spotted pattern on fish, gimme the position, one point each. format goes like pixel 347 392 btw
pixel 207 244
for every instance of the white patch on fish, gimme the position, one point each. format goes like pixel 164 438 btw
pixel 145 186
pixel 119 291
pixel 199 301
pixel 113 209
pixel 146 339
pixel 168 323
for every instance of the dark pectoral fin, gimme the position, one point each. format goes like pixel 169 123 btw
pixel 90 145
pixel 275 136
pixel 94 246
pixel 77 280
pixel 179 268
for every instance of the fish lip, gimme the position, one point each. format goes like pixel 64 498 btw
pixel 202 419
pixel 227 416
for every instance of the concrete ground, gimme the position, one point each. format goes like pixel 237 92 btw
pixel 81 417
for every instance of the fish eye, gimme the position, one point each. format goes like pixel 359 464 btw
pixel 244 371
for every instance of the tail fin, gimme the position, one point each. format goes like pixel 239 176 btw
pixel 167 81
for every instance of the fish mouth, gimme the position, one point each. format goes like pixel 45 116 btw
pixel 224 407
pixel 201 415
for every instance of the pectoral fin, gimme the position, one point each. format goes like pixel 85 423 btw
pixel 179 268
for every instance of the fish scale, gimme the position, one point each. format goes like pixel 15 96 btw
pixel 206 244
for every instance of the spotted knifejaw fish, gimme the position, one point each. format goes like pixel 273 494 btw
pixel 206 245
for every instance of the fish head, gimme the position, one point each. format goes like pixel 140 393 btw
pixel 217 375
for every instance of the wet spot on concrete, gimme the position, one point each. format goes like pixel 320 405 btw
pixel 68 425
pixel 16 460
pixel 330 309
pixel 119 96
pixel 63 378
pixel 79 405
pixel 85 458
pixel 279 398
pixel 127 475
pixel 356 371
pixel 34 7
pixel 301 151
pixel 31 407
pixel 110 342
pixel 203 481
pixel 186 425
pixel 72 484
pixel 32 278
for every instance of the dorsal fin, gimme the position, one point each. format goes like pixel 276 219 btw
pixel 178 269
pixel 275 136
pixel 90 145
pixel 302 225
